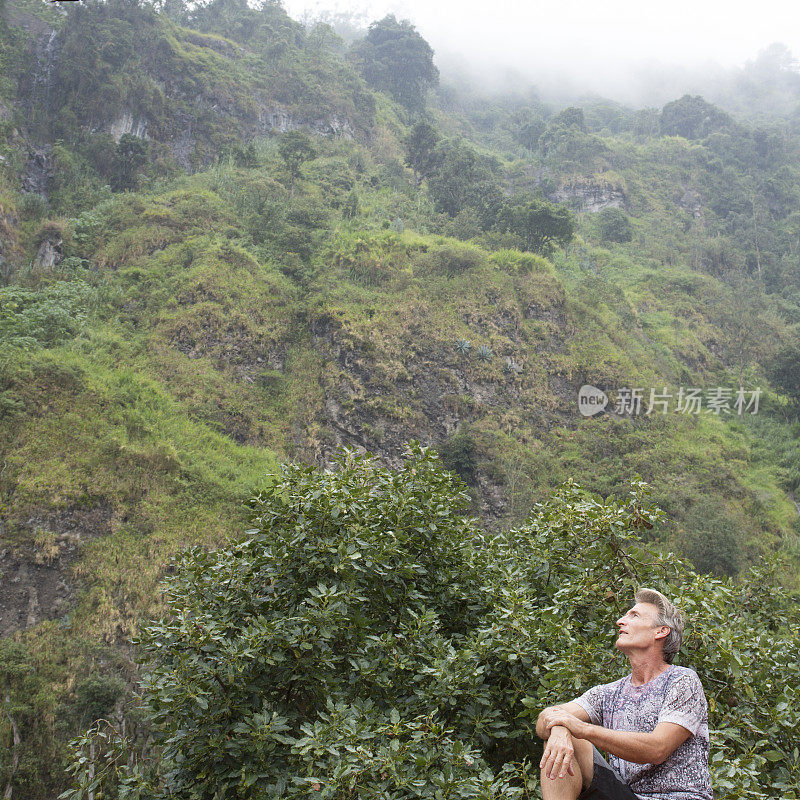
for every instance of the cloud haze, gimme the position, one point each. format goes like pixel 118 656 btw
pixel 599 46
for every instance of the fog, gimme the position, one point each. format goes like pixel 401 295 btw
pixel 634 52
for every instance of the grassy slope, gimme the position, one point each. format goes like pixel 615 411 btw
pixel 209 323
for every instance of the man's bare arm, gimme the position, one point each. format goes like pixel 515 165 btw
pixel 640 748
pixel 572 708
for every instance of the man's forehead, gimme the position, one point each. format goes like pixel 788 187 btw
pixel 646 608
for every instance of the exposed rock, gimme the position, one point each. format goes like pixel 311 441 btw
pixel 182 146
pixel 49 255
pixel 690 201
pixel 38 170
pixel 34 577
pixel 126 123
pixel 428 400
pixel 589 196
pixel 276 119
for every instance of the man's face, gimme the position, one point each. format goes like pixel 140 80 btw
pixel 637 628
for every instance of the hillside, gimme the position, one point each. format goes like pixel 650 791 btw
pixel 219 251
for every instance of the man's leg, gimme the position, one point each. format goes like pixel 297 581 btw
pixel 570 786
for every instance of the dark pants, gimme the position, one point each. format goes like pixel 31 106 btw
pixel 606 783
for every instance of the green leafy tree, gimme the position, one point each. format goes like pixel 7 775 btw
pixel 528 135
pixel 350 205
pixel 614 225
pixel 542 226
pixel 394 58
pixel 692 117
pixel 419 147
pixel 295 148
pixel 26 740
pixel 784 370
pixel 130 157
pixel 459 453
pixel 460 178
pixel 570 117
pixel 567 144
pixel 15 677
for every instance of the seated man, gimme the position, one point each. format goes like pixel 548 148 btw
pixel 652 723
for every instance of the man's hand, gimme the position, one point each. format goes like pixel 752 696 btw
pixel 558 753
pixel 574 725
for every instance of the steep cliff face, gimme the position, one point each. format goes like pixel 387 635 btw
pixel 395 375
pixel 116 69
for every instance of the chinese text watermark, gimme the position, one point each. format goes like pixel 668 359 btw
pixel 633 402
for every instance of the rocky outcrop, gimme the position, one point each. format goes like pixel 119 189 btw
pixel 690 201
pixel 38 170
pixel 35 582
pixel 127 123
pixel 48 254
pixel 589 196
pixel 372 404
pixel 276 119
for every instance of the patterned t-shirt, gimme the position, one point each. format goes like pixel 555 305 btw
pixel 676 695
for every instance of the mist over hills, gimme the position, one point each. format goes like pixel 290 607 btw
pixel 745 66
pixel 767 87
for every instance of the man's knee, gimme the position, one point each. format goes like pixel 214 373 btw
pixel 582 766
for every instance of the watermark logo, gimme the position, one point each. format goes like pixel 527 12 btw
pixel 630 402
pixel 591 400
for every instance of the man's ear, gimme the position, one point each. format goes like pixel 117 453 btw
pixel 661 635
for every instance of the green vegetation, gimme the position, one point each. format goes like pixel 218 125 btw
pixel 394 58
pixel 365 637
pixel 192 290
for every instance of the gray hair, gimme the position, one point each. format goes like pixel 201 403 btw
pixel 667 615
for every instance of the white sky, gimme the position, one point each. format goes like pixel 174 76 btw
pixel 598 42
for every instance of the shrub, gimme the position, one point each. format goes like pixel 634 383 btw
pixel 366 639
pixel 451 259
pixel 514 261
pixel 459 454
pixel 32 206
pixel 43 317
pixel 614 225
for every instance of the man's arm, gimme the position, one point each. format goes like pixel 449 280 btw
pixel 573 709
pixel 640 748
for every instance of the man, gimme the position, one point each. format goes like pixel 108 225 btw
pixel 652 723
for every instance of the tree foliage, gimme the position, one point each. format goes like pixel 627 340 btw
pixel 692 117
pixel 785 371
pixel 419 147
pixel 366 639
pixel 541 225
pixel 394 58
pixel 295 148
pixel 459 177
pixel 614 225
pixel 130 157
